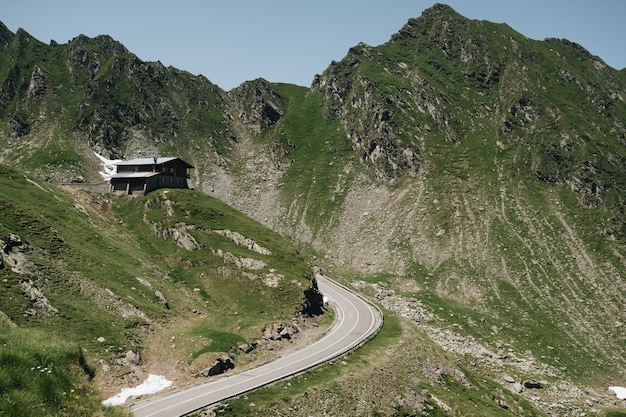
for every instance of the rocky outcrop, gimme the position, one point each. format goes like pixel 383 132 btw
pixel 221 365
pixel 178 233
pixel 18 127
pixel 274 336
pixel 39 82
pixel 260 106
pixel 240 262
pixel 369 120
pixel 158 294
pixel 131 358
pixel 241 240
pixel 15 253
pixel 313 301
pixel 40 304
pixel 279 331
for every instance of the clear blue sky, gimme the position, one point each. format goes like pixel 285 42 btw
pixel 232 41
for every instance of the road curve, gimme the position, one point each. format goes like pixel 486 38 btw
pixel 356 321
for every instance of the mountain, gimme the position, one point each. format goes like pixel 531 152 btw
pixel 467 178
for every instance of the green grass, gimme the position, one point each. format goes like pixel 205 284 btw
pixel 218 341
pixel 319 151
pixel 45 376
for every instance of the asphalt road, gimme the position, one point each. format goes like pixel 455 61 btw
pixel 356 320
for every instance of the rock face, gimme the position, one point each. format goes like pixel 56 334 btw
pixel 38 85
pixel 368 121
pixel 178 233
pixel 41 304
pixel 14 255
pixel 259 106
pixel 246 242
pixel 18 127
pixel 313 302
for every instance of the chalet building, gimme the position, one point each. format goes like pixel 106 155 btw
pixel 141 175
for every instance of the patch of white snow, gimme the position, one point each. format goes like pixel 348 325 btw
pixel 108 166
pixel 153 384
pixel 620 392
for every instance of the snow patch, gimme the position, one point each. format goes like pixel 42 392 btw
pixel 153 384
pixel 108 166
pixel 620 392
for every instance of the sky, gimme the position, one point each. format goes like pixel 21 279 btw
pixel 290 41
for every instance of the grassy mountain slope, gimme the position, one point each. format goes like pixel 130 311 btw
pixel 503 159
pixel 44 375
pixel 102 277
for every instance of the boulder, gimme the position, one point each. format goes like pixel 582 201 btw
pixel 532 384
pixel 287 332
pixel 131 358
pixel 221 365
pixel 162 298
pixel 278 331
pixel 508 378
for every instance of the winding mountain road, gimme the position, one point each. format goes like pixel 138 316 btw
pixel 356 321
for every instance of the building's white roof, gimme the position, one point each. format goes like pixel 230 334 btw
pixel 146 161
pixel 143 174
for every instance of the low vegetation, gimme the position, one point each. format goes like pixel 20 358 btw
pixel 43 375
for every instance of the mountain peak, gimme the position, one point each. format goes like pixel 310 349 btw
pixel 5 35
pixel 440 12
pixel 439 9
pixel 104 43
pixel 436 20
